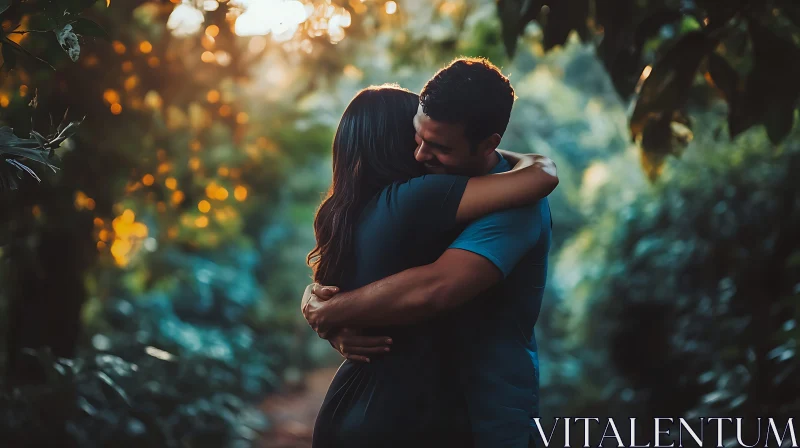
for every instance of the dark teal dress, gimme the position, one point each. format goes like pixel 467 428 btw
pixel 411 396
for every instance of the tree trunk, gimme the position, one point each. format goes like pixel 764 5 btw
pixel 47 266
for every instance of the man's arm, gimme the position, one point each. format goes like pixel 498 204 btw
pixel 485 252
pixel 407 297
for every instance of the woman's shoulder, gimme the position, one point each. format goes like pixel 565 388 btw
pixel 425 183
pixel 420 194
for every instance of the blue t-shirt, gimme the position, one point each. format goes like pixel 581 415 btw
pixel 499 365
pixel 410 398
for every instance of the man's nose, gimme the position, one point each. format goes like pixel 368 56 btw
pixel 422 154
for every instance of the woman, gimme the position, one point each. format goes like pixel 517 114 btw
pixel 404 398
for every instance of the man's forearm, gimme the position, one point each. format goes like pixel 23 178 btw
pixel 403 298
pixel 412 295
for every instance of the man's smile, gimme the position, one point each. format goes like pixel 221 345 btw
pixel 438 168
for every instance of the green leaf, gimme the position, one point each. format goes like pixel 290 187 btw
pixel 113 387
pixel 85 27
pixel 656 118
pixel 514 16
pixel 656 145
pixel 724 76
pixel 66 132
pixel 21 166
pixel 20 48
pixel 624 39
pixel 690 23
pixel 667 87
pixel 8 138
pixel 40 21
pixel 69 42
pixel 8 179
pixel 728 81
pixel 39 139
pixel 31 149
pixel 31 154
pixel 563 17
pixel 63 122
pixel 509 12
pixel 772 89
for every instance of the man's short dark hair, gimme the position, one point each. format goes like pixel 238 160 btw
pixel 472 92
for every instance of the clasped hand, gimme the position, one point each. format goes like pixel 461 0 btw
pixel 349 342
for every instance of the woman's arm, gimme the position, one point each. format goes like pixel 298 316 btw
pixel 516 160
pixel 533 177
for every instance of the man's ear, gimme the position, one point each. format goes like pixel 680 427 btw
pixel 489 144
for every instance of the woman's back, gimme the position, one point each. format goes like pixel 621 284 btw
pixel 407 397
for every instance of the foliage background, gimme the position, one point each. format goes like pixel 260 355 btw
pixel 156 276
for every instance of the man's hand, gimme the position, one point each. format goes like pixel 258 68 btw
pixel 349 343
pixel 352 345
pixel 313 298
pixel 315 289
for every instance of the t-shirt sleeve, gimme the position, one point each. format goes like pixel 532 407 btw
pixel 503 237
pixel 427 203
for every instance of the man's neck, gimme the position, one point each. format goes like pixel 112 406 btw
pixel 491 160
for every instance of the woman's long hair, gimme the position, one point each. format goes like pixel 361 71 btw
pixel 373 147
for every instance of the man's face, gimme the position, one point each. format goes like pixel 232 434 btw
pixel 443 148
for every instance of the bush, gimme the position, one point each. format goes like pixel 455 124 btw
pixel 101 400
pixel 177 366
pixel 686 298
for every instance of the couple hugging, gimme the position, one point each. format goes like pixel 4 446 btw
pixel 429 268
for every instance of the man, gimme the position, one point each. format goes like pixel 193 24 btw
pixel 502 258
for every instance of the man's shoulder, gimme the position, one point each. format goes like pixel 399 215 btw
pixel 526 213
pixel 538 209
pixel 514 221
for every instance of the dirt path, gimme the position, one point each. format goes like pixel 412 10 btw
pixel 292 413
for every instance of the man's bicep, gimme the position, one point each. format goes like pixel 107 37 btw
pixel 468 274
pixel 502 238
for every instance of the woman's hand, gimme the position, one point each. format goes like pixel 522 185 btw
pixel 545 164
pixel 520 161
pixel 356 347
